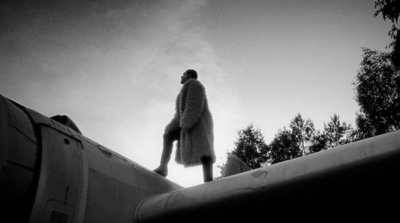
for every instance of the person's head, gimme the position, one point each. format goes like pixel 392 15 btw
pixel 188 74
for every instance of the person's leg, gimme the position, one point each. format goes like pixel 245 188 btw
pixel 207 168
pixel 168 141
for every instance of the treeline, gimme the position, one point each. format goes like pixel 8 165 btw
pixel 299 139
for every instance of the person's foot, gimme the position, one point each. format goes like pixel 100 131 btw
pixel 162 170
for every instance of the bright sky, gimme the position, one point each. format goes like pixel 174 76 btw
pixel 114 66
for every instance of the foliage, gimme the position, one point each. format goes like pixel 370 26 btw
pixel 390 9
pixel 302 132
pixel 298 140
pixel 377 89
pixel 335 134
pixel 338 133
pixel 292 143
pixel 319 142
pixel 283 147
pixel 250 147
pixel 302 139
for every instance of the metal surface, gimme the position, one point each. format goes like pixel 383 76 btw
pixel 102 185
pixel 51 173
pixel 19 162
pixel 234 165
pixel 60 191
pixel 355 182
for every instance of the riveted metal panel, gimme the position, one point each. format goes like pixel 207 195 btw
pixel 61 191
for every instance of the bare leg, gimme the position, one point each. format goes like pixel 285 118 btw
pixel 207 168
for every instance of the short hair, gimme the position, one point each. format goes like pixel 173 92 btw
pixel 192 73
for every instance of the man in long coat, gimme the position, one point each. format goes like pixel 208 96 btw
pixel 192 126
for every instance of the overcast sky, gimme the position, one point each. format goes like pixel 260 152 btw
pixel 114 66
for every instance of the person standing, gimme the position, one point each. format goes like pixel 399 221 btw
pixel 192 127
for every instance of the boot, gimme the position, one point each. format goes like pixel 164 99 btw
pixel 168 140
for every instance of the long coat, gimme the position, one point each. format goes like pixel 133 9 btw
pixel 194 118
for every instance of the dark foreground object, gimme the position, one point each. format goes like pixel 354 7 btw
pixel 52 173
pixel 357 182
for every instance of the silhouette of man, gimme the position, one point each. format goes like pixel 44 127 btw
pixel 192 127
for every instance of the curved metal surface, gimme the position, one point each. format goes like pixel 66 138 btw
pixel 82 181
pixel 51 173
pixel 353 182
pixel 19 162
pixel 60 191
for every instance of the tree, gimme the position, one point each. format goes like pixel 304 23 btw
pixel 283 147
pixel 377 89
pixel 318 142
pixel 250 147
pixel 335 134
pixel 302 131
pixel 390 9
pixel 364 127
pixel 292 143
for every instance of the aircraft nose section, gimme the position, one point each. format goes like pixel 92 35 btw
pixel 19 163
